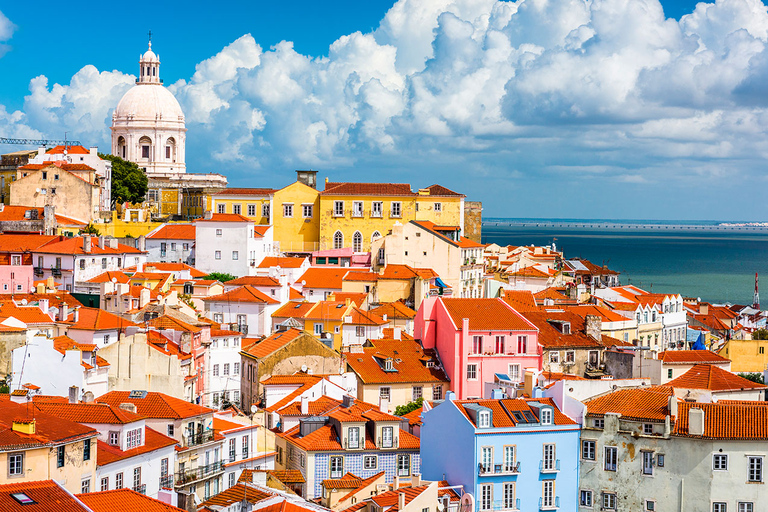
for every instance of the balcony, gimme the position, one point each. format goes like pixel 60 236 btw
pixel 549 504
pixel 198 439
pixel 193 475
pixel 550 467
pixel 501 506
pixel 166 482
pixel 39 271
pixel 141 489
pixel 498 469
pixel 56 271
pixel 395 214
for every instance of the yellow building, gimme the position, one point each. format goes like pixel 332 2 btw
pixel 746 356
pixel 296 219
pixel 254 203
pixel 72 188
pixel 158 281
pixel 354 214
pixel 39 446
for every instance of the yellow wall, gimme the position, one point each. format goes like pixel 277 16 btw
pixel 367 225
pixel 40 464
pixel 399 393
pixel 745 355
pixel 230 201
pixel 296 234
pixel 8 177
pixel 391 290
pixel 74 197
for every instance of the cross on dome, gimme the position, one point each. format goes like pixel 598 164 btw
pixel 149 66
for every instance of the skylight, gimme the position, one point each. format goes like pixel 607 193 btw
pixel 22 498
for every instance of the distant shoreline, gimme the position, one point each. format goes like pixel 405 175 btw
pixel 631 225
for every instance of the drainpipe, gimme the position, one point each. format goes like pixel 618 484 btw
pixel 682 494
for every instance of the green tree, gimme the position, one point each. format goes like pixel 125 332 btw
pixel 754 377
pixel 760 334
pixel 90 229
pixel 220 276
pixel 402 410
pixel 129 183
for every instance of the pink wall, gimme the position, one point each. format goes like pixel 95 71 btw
pixel 22 275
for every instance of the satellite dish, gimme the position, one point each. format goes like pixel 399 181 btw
pixel 304 368
pixel 24 302
pixel 37 190
pixel 303 283
pixel 440 507
pixel 254 409
pixel 114 280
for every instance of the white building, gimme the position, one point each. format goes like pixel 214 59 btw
pixel 148 124
pixel 241 449
pixel 222 366
pixel 227 242
pixel 244 309
pixel 173 243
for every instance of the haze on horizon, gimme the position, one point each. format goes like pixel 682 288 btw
pixel 539 108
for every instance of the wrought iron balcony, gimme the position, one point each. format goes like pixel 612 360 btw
pixel 193 475
pixel 166 482
pixel 56 271
pixel 39 271
pixel 141 489
pixel 198 439
pixel 498 469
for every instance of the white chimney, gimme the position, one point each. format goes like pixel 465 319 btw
pixel 401 501
pixel 87 243
pixel 63 312
pixel 695 422
pixel 396 333
pixel 94 150
pixel 304 405
pixel 384 405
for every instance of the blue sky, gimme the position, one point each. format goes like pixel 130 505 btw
pixel 540 108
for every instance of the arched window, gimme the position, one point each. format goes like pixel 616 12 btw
pixel 145 146
pixel 338 240
pixel 170 149
pixel 375 235
pixel 357 242
pixel 121 147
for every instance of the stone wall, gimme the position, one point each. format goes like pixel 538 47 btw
pixel 473 220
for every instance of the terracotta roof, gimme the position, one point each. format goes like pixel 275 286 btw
pixel 326 277
pixel 282 262
pixel 245 293
pixel 303 382
pixel 347 481
pixel 174 232
pixel 153 440
pixel 368 189
pixel 173 267
pixel 293 310
pixel 74 245
pixel 59 164
pixel 49 429
pixel 550 336
pixel 485 314
pixel 26 314
pixel 529 272
pixel 360 317
pixel 326 439
pixel 272 343
pixel 390 500
pixel 605 314
pixel 124 499
pixel 393 271
pixel 244 192
pixel 71 150
pixel 236 494
pixel 107 277
pixel 151 276
pixel 691 357
pixel 225 217
pixel 294 294
pixel 713 378
pixel 255 281
pixel 634 404
pixel 318 407
pixel 21 243
pixel 439 190
pixel 395 310
pixel 328 311
pixel 48 496
pixel 93 319
pixel 408 358
pixel 168 322
pixel 725 421
pixel 92 412
pixel 361 276
pixel 156 405
pixel 288 476
pixel 520 300
pixel 502 416
pixel 357 298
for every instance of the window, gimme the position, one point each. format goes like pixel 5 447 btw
pixel 609 501
pixel 650 506
pixel 546 417
pixel 353 437
pixel 338 208
pixel 105 484
pixel 599 423
pixel 660 460
pixel 669 373
pixel 570 356
pixel 611 458
pixel 231 479
pixel 357 242
pixel 437 392
pixel 218 317
pixel 384 392
pixel 745 506
pixel 164 467
pixel 15 464
pixel 136 478
pixel 438 207
pixel 548 493
pixel 133 438
pixel 387 437
pixel 114 438
pixel 548 459
pixel 236 368
pixel 251 210
pixel 15 259
pixel 87 448
pixel 217 255
pixel 522 344
pixel 554 357
pixel 237 209
pixel 103 263
pixel 226 369
pixel 514 371
pixel 486 458
pixel 235 255
pixel 471 371
pixel 376 208
pixel 119 481
pixel 720 462
pixel 265 210
pixel 357 209
pixel 370 462
pixel 85 485
pixel 318 329
pixel 306 211
pixel 245 446
pixel 486 497
pixel 509 492
pixel 288 210
pixel 648 463
pixel 755 471
pixel 219 232
pixel 719 506
pixel 588 450
pixel 585 498
pixel 648 428
pixel 477 344
pixel 337 467
pixel 215 370
pixel 60 457
pixel 416 393
pixel 484 419
pixel 396 209
pixel 338 240
pixel 221 208
pixel 500 345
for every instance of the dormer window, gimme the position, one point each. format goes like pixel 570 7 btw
pixel 546 417
pixel 353 437
pixel 484 419
pixel 566 328
pixel 388 366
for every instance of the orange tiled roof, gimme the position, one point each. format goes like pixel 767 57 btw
pixel 26 314
pixel 94 319
pixel 318 407
pixel 390 500
pixel 360 317
pixel 245 192
pixel 282 262
pixel 92 412
pixel 367 189
pixel 245 293
pixel 74 245
pixel 439 190
pixel 551 337
pixel 156 405
pixel 21 243
pixel 265 281
pixel 605 314
pixel 225 217
pixel 326 277
pixel 326 439
pixel 235 494
pixel 502 410
pixel 529 272
pixel 393 271
pixel 713 378
pixel 409 361
pixel 691 357
pixel 520 300
pixel 634 404
pixel 293 310
pixel 486 314
pixel 328 311
pixel 172 267
pixel 361 276
pixel 347 481
pixel 64 343
pixel 57 163
pixel 71 150
pixel 396 310
pixel 153 440
pixel 107 277
pixel 47 495
pixel 272 343
pixel 725 421
pixel 49 429
pixel 124 499
pixel 174 232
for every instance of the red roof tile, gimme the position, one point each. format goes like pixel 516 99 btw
pixel 93 319
pixel 725 421
pixel 244 192
pixel 107 277
pixel 550 336
pixel 282 262
pixel 49 429
pixel 439 190
pixel 395 310
pixel 325 277
pixel 502 416
pixel 225 217
pixel 92 412
pixel 74 245
pixel 691 357
pixel 368 189
pixel 486 314
pixel 713 378
pixel 156 405
pixel 47 495
pixel 409 363
pixel 245 293
pixel 153 440
pixel 124 499
pixel 174 232
pixel 235 494
pixel 265 281
pixel 272 343
pixel 520 300
pixel 634 404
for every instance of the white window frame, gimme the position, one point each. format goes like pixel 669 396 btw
pixel 755 473
pixel 720 462
pixel 307 211
pixel 486 496
pixel 377 208
pixel 397 209
pixel 288 210
pixel 338 208
pixel 588 449
pixel 609 501
pixel 611 463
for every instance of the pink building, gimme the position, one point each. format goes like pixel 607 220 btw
pixel 477 338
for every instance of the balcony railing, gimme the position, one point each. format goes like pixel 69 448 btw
pixel 39 271
pixel 501 506
pixel 550 504
pixel 552 467
pixel 198 439
pixel 193 475
pixel 166 482
pixel 141 489
pixel 498 469
pixel 56 271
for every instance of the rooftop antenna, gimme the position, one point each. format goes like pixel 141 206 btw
pixel 756 299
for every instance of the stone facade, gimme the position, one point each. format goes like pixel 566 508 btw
pixel 473 220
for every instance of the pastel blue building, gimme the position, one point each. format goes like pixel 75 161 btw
pixel 508 454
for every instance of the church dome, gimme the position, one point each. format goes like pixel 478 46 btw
pixel 149 101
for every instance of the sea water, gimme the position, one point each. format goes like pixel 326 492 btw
pixel 696 259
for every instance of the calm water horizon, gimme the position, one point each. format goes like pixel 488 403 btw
pixel 716 266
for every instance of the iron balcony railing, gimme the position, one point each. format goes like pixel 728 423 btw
pixel 506 506
pixel 141 489
pixel 198 439
pixel 199 473
pixel 166 482
pixel 498 469
pixel 552 466
pixel 549 504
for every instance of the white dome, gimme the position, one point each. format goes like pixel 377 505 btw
pixel 149 101
pixel 149 56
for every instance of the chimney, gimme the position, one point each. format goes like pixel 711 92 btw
pixel 87 243
pixel 672 406
pixel 24 426
pixel 308 178
pixel 101 242
pixel 63 312
pixel 384 317
pixel 43 304
pixel 74 391
pixel 416 480
pixel 112 243
pixel 128 407
pixel 401 501
pixel 94 150
pixel 593 325
pixel 396 333
pixel 40 151
pixel 396 482
pixel 695 422
pixel 384 405
pixel 347 401
pixel 304 405
pixel 142 245
pixel 76 314
pixel 208 215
